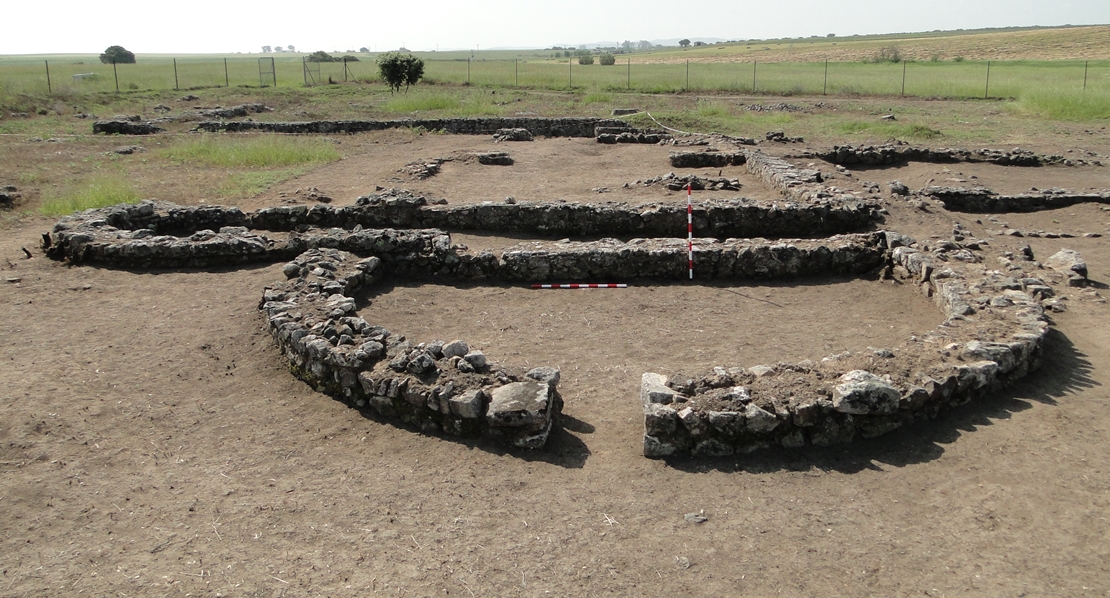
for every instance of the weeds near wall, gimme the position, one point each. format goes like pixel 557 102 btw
pixel 99 192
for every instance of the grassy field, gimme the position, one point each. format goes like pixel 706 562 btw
pixel 938 64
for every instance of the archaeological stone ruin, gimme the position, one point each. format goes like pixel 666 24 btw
pixel 993 328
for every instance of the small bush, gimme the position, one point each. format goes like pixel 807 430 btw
pixel 587 59
pixel 958 59
pixel 399 69
pixel 607 59
pixel 886 54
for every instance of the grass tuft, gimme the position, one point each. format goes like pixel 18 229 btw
pixel 99 192
pixel 597 97
pixel 254 151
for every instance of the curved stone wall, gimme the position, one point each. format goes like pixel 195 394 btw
pixel 435 386
pixel 992 336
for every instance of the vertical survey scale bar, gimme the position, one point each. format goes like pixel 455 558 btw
pixel 690 230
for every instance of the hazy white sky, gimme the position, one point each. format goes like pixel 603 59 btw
pixel 203 26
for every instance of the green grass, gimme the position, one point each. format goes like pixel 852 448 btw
pixel 1071 106
pixel 597 97
pixel 99 192
pixel 261 151
pixel 249 184
pixel 886 129
pixel 406 103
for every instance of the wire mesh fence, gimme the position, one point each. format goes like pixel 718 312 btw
pixel 965 79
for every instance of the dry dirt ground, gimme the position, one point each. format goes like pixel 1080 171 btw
pixel 152 441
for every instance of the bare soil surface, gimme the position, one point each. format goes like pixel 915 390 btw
pixel 153 442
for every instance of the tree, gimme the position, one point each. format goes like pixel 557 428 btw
pixel 585 59
pixel 399 69
pixel 291 48
pixel 266 49
pixel 117 55
pixel 644 45
pixel 349 58
pixel 684 42
pixel 321 56
pixel 627 45
pixel 278 49
pixel 364 50
pixel 607 59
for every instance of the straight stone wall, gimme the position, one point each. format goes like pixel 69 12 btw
pixel 548 127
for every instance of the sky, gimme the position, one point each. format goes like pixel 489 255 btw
pixel 210 26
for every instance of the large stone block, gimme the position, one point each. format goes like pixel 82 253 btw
pixel 520 405
pixel 863 393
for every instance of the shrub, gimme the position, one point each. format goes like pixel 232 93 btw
pixel 607 59
pixel 886 54
pixel 117 55
pixel 399 69
pixel 587 59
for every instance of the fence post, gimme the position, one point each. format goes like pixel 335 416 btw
pixel 1085 64
pixel 227 81
pixel 175 85
pixel 629 73
pixel 903 78
pixel 304 70
pixel 116 75
pixel 825 89
pixel 755 64
pixel 516 67
pixel 468 70
pixel 986 92
pixel 687 74
pixel 570 72
pixel 50 89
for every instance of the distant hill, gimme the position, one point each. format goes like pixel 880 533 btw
pixel 1091 42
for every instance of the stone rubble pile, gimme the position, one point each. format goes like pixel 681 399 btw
pixel 674 182
pixel 235 111
pixel 125 127
pixel 435 386
pixel 512 135
pixel 632 137
pixel 992 336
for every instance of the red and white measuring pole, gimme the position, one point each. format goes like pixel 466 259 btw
pixel 690 229
pixel 580 286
